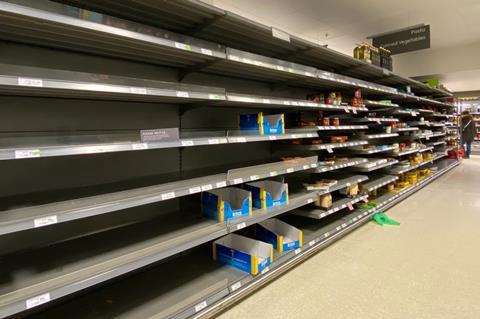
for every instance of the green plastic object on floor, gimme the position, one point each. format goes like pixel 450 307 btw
pixel 382 219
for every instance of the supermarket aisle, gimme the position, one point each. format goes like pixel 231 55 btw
pixel 429 267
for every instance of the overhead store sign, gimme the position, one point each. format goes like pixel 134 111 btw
pixel 412 39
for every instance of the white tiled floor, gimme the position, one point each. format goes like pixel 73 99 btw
pixel 429 267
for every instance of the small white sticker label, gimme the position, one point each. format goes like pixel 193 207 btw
pixel 44 221
pixel 27 153
pixel 221 184
pixel 206 51
pixel 350 206
pixel 140 146
pixel 272 138
pixel 327 234
pixel 298 251
pixel 182 94
pixel 254 177
pixel 329 149
pixel 30 82
pixel 201 305
pixel 344 225
pixel 346 109
pixel 290 170
pixel 214 141
pixel 354 110
pixel 280 68
pixel 274 173
pixel 339 228
pixel 188 143
pixel 280 35
pixel 313 165
pixel 241 140
pixel 214 97
pixel 311 243
pixel 138 90
pixel 38 300
pixel 207 187
pixel 168 195
pixel 306 167
pixel 194 190
pixel 238 181
pixel 241 225
pixel 266 269
pixel 183 46
pixel 236 286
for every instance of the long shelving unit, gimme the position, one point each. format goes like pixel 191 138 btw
pixel 99 216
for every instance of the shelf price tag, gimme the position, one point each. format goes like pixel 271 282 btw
pixel 350 206
pixel 354 110
pixel 280 68
pixel 272 138
pixel 168 195
pixel 183 46
pixel 266 269
pixel 188 143
pixel 329 149
pixel 290 170
pixel 139 146
pixel 182 94
pixel 309 201
pixel 273 173
pixel 38 300
pixel 254 177
pixel 213 141
pixel 138 90
pixel 206 187
pixel 221 184
pixel 311 243
pixel 201 306
pixel 236 286
pixel 44 221
pixel 30 82
pixel 241 225
pixel 206 51
pixel 241 140
pixel 298 251
pixel 27 153
pixel 280 35
pixel 238 181
pixel 194 190
pixel 215 97
pixel 346 109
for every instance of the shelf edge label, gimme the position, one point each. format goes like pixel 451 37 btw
pixel 30 82
pixel 38 300
pixel 45 221
pixel 280 35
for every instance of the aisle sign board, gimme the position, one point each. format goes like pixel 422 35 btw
pixel 412 39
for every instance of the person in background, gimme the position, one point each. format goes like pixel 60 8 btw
pixel 467 126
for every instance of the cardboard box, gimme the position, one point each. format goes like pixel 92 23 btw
pixel 263 124
pixel 268 193
pixel 244 253
pixel 281 235
pixel 227 203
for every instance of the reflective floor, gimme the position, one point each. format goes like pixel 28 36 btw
pixel 428 267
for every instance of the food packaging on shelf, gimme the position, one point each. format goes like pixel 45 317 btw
pixel 317 98
pixel 249 255
pixel 281 235
pixel 227 203
pixel 324 201
pixel 323 184
pixel 427 156
pixel 335 121
pixel 338 139
pixel 351 190
pixel 263 124
pixel 268 193
pixel 412 177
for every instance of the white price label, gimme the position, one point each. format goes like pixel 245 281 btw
pixel 206 51
pixel 38 300
pixel 182 94
pixel 214 141
pixel 298 251
pixel 266 269
pixel 194 190
pixel 280 35
pixel 339 228
pixel 311 243
pixel 350 206
pixel 266 101
pixel 183 46
pixel 221 184
pixel 234 58
pixel 313 165
pixel 259 63
pixel 280 68
pixel 254 177
pixel 27 153
pixel 241 225
pixel 138 90
pixel 30 82
pixel 274 173
pixel 235 286
pixel 188 143
pixel 306 166
pixel 241 139
pixel 44 221
pixel 327 234
pixel 344 225
pixel 346 109
pixel 329 149
pixel 206 187
pixel 309 135
pixel 238 181
pixel 354 110
pixel 323 215
pixel 201 306
pixel 272 138
pixel 379 122
pixel 214 97
pixel 140 146
pixel 168 195
pixel 290 170
pixel 309 201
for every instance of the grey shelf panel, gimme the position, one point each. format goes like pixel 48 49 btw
pixel 57 26
pixel 339 165
pixel 377 182
pixel 300 200
pixel 210 286
pixel 21 146
pixel 25 80
pixel 411 151
pixel 327 146
pixel 401 170
pixel 376 120
pixel 378 136
pixel 19 219
pixel 338 205
pixel 365 168
pixel 366 152
pixel 437 143
pixel 213 24
pixel 270 102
